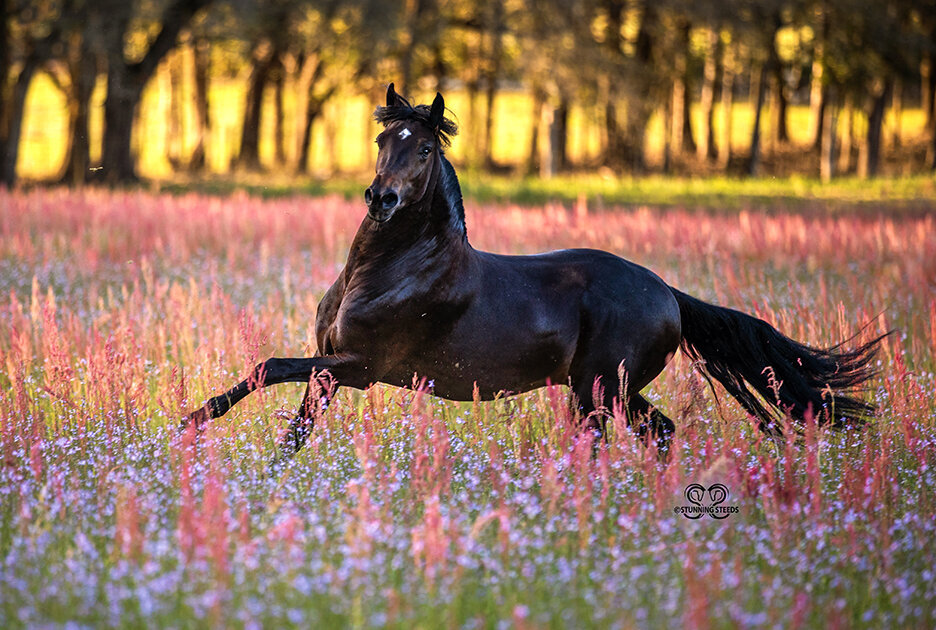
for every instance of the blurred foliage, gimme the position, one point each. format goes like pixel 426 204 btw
pixel 628 86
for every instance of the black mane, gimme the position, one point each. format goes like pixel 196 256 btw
pixel 419 113
pixel 453 194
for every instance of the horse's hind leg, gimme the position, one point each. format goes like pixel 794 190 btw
pixel 649 422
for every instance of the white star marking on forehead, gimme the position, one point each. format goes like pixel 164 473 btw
pixel 406 133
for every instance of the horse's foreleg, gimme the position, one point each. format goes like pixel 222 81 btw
pixel 270 372
pixel 319 392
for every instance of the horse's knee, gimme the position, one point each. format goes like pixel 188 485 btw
pixel 297 434
pixel 261 371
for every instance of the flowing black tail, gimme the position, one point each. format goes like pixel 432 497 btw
pixel 744 353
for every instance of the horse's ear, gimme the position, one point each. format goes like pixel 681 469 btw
pixel 392 97
pixel 436 112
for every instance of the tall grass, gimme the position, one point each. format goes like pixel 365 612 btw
pixel 122 311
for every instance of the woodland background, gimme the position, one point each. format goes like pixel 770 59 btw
pixel 115 90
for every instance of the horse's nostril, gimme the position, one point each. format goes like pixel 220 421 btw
pixel 368 196
pixel 389 200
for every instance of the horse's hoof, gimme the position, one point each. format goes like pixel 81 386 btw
pixel 277 466
pixel 198 418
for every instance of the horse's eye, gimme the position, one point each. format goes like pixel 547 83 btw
pixel 425 151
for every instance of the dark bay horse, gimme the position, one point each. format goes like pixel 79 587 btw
pixel 416 299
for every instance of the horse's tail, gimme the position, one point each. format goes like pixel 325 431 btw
pixel 744 353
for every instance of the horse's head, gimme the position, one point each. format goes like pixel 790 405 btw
pixel 408 154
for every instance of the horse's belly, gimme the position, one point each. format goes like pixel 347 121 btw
pixel 508 359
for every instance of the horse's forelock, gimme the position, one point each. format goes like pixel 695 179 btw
pixel 419 113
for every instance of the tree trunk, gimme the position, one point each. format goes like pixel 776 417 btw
pixel 125 82
pixel 817 105
pixel 758 89
pixel 706 147
pixel 83 73
pixel 779 132
pixel 312 112
pixel 314 107
pixel 682 94
pixel 558 137
pixel 847 143
pixel 616 142
pixel 827 140
pixel 439 70
pixel 14 126
pixel 249 156
pixel 5 69
pixel 494 18
pixel 897 108
pixel 869 156
pixel 931 151
pixel 175 129
pixel 669 135
pixel 764 74
pixel 727 102
pixel 414 32
pixel 556 120
pixel 818 92
pixel 928 90
pixel 640 108
pixel 674 119
pixel 278 78
pixel 201 56
pixel 533 158
pixel 472 154
pixel 124 88
pixel 489 94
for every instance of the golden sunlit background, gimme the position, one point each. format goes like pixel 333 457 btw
pixel 164 90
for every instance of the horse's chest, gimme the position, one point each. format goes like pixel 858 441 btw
pixel 371 323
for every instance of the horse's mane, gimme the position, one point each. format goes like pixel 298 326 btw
pixel 452 191
pixel 420 113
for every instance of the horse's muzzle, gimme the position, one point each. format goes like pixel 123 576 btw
pixel 380 206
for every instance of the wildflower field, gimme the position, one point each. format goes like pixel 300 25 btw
pixel 121 311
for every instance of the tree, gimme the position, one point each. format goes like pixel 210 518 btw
pixel 126 77
pixel 766 22
pixel 878 42
pixel 82 63
pixel 710 71
pixel 339 47
pixel 682 88
pixel 637 81
pixel 24 50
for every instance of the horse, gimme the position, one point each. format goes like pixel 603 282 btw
pixel 415 298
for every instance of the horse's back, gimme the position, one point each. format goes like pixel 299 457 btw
pixel 591 272
pixel 626 313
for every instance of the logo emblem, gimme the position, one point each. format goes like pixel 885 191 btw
pixel 706 501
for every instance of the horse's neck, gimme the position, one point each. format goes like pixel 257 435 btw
pixel 433 230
